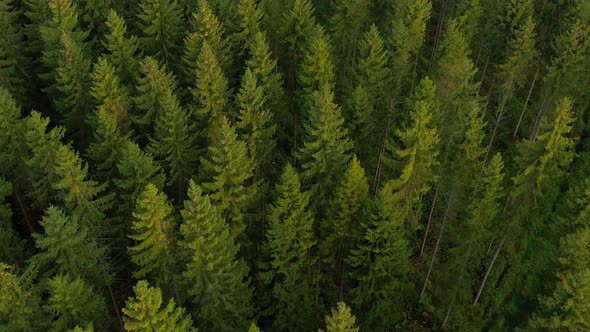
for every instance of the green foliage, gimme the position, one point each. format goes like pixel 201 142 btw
pixel 317 68
pixel 12 58
pixel 325 151
pixel 250 21
pixel 296 28
pixel 72 302
pixel 122 49
pixel 12 247
pixel 19 304
pixel 144 312
pixel 381 263
pixel 215 278
pixel 135 170
pixel 291 275
pixel 341 320
pixel 154 88
pixel 109 95
pixel 231 168
pixel 161 24
pixel 66 247
pixel 93 16
pixel 255 123
pixel 105 151
pixel 10 144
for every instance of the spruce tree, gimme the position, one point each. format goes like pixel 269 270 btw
pixel 173 143
pixel 215 277
pixel 255 124
pixel 20 308
pixel 341 319
pixel 13 63
pixel 12 247
pixel 250 24
pixel 291 275
pixel 135 169
pixel 109 95
pixel 122 49
pixel 296 28
pixel 206 28
pixel 144 312
pixel 326 146
pixel 153 86
pixel 37 13
pixel 317 69
pixel 381 263
pixel 67 247
pixel 11 127
pixel 73 302
pixel 211 92
pixel 341 225
pixel 105 151
pixel 161 24
pixel 230 168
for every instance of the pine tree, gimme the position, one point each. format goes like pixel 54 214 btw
pixel 13 64
pixel 161 24
pixel 255 124
pixel 420 152
pixel 20 308
pixel 341 320
pixel 151 230
pixel 153 86
pixel 79 194
pixel 296 28
pixel 122 49
pixel 317 69
pixel 72 301
pixel 136 169
pixel 74 100
pixel 207 29
pixel 250 24
pixel 341 224
pixel 381 263
pixel 37 13
pixel 289 241
pixel 10 127
pixel 144 312
pixel 66 247
pixel 173 143
pixel 93 17
pixel 42 146
pixel 215 277
pixel 231 168
pixel 109 95
pixel 325 151
pixel 211 93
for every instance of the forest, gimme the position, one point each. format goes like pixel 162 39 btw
pixel 294 165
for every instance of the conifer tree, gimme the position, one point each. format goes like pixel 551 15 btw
pixel 381 263
pixel 136 169
pixel 231 168
pixel 20 308
pixel 341 319
pixel 325 151
pixel 122 49
pixel 419 153
pixel 67 247
pixel 207 28
pixel 13 64
pixel 341 224
pixel 61 20
pixel 215 277
pixel 255 123
pixel 10 124
pixel 93 16
pixel 37 13
pixel 12 247
pixel 250 24
pixel 289 240
pixel 145 312
pixel 42 145
pixel 317 69
pixel 153 87
pixel 105 151
pixel 296 28
pixel 74 101
pixel 173 144
pixel 73 302
pixel 161 24
pixel 151 230
pixel 80 195
pixel 109 95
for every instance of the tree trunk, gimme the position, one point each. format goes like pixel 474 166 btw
pixel 485 278
pixel 501 113
pixel 429 222
pixel 528 97
pixel 441 18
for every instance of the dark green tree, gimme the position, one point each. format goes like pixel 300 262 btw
pixel 11 127
pixel 122 49
pixel 13 63
pixel 215 278
pixel 105 151
pixel 161 24
pixel 317 69
pixel 250 24
pixel 153 86
pixel 20 303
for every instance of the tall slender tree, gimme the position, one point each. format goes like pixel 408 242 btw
pixel 161 24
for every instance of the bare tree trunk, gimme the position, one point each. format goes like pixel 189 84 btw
pixel 535 129
pixel 442 230
pixel 483 74
pixel 528 97
pixel 441 18
pixel 500 115
pixel 429 222
pixel 414 74
pixel 485 278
